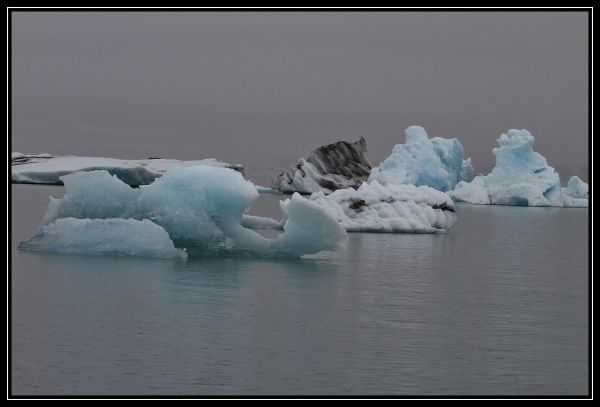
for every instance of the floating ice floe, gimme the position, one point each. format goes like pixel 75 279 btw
pixel 421 161
pixel 47 169
pixel 200 208
pixel 330 167
pixel 390 208
pixel 521 177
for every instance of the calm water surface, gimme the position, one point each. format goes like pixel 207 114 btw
pixel 497 306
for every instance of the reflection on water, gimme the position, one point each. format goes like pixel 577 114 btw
pixel 496 306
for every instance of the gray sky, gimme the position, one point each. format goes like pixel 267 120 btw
pixel 262 89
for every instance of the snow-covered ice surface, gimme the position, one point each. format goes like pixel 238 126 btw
pixel 421 161
pixel 200 207
pixel 330 167
pixel 118 237
pixel 521 177
pixel 391 208
pixel 47 169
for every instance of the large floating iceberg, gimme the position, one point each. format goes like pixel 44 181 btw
pixel 521 177
pixel 201 208
pixel 47 169
pixel 330 167
pixel 391 208
pixel 421 161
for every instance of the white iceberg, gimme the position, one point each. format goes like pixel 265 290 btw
pixel 391 208
pixel 47 169
pixel 201 208
pixel 421 161
pixel 521 177
pixel 117 237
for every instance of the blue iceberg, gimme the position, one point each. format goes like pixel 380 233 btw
pixel 201 208
pixel 437 162
pixel 521 177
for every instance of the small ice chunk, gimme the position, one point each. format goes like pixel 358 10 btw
pixel 576 188
pixel 260 222
pixel 473 192
pixel 308 228
pixel 576 194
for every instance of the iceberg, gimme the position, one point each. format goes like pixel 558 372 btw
pixel 201 208
pixel 330 167
pixel 521 177
pixel 117 237
pixel 437 162
pixel 47 169
pixel 391 208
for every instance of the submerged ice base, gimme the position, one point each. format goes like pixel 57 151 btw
pixel 437 162
pixel 201 208
pixel 117 237
pixel 521 177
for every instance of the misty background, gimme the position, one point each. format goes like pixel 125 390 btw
pixel 264 88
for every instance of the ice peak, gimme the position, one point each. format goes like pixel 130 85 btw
pixel 415 134
pixel 516 138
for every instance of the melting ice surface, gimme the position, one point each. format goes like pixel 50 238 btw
pixel 421 161
pixel 521 177
pixel 200 209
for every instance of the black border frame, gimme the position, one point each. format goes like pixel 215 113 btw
pixel 10 10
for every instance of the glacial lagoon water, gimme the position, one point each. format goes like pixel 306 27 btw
pixel 497 306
